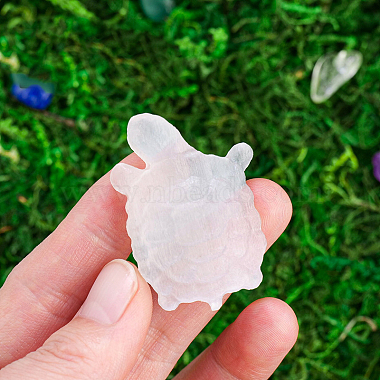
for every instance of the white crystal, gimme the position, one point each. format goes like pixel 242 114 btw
pixel 331 72
pixel 195 232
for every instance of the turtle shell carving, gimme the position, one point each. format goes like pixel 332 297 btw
pixel 195 232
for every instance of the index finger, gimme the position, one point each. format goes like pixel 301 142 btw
pixel 44 291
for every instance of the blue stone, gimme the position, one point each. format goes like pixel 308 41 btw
pixel 33 96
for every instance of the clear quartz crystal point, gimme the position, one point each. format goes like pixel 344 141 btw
pixel 331 72
pixel 196 234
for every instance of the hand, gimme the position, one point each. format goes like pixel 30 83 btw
pixel 49 330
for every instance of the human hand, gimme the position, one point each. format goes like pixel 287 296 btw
pixel 119 333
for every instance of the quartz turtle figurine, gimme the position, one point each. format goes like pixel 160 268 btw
pixel 195 232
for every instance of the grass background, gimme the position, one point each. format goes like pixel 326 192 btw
pixel 223 71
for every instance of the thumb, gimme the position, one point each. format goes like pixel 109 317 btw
pixel 105 337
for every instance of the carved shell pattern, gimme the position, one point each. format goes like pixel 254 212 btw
pixel 195 232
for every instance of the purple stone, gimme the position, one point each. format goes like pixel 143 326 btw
pixel 376 165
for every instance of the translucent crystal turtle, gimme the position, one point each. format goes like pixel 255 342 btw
pixel 195 232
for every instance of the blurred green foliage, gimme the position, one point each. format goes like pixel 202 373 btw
pixel 223 71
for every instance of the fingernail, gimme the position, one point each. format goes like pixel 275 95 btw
pixel 111 293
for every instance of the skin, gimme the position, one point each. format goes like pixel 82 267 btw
pixel 42 338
